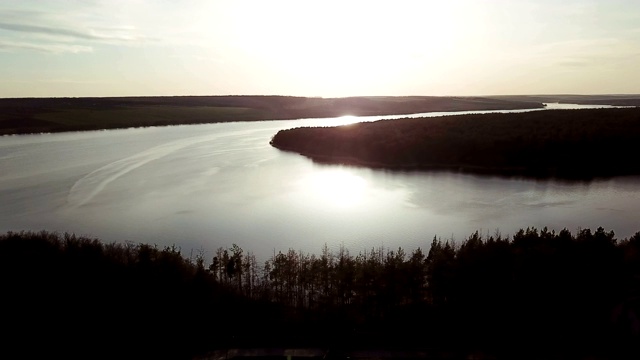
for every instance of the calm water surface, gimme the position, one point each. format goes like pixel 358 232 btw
pixel 205 186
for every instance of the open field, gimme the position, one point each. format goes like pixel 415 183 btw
pixel 36 115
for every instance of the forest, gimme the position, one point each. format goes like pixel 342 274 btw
pixel 615 100
pixel 43 115
pixel 563 295
pixel 576 144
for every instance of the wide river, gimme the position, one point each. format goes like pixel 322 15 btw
pixel 201 187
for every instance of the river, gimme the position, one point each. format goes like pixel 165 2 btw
pixel 201 187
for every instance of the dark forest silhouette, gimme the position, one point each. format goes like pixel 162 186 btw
pixel 536 292
pixel 553 143
pixel 35 115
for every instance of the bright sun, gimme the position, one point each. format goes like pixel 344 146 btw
pixel 347 47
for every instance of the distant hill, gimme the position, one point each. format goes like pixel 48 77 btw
pixel 616 100
pixel 36 115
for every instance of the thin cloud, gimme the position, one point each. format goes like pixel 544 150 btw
pixel 57 81
pixel 574 63
pixel 47 31
pixel 117 33
pixel 46 48
pixel 576 53
pixel 53 32
pixel 71 81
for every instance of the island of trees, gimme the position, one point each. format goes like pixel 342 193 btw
pixel 536 294
pixel 552 143
pixel 38 115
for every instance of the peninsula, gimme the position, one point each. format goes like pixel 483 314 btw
pixel 552 143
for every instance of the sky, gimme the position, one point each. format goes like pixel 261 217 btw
pixel 318 48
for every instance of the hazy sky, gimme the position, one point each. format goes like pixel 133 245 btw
pixel 318 48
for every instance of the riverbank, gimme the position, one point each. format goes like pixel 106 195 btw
pixel 38 115
pixel 554 143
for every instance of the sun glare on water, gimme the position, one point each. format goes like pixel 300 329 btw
pixel 335 187
pixel 344 120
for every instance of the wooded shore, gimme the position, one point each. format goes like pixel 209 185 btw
pixel 38 115
pixel 572 144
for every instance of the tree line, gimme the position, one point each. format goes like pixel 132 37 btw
pixel 541 290
pixel 34 115
pixel 488 289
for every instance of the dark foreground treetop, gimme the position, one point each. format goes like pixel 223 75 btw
pixel 537 294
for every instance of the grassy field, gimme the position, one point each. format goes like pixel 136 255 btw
pixel 36 115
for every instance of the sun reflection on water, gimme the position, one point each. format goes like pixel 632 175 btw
pixel 339 121
pixel 336 186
